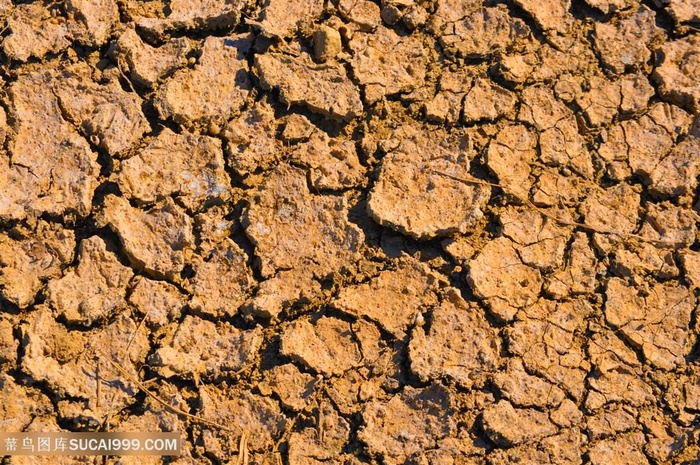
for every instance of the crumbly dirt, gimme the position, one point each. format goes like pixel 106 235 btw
pixel 354 231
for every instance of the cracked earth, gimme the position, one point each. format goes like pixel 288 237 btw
pixel 353 231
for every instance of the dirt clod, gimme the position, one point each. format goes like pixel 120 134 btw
pixel 95 290
pixel 626 45
pixel 30 260
pixel 656 323
pixel 425 418
pixel 394 297
pixel 509 426
pixel 147 65
pixel 678 72
pixel 325 346
pixel 214 90
pixel 155 240
pixel 324 89
pixel 293 228
pixel 34 32
pixel 282 19
pixel 75 364
pixel 418 164
pixel 443 352
pixel 327 43
pixel 108 116
pixel 63 179
pixel 227 351
pixel 499 276
pixel 195 161
pixel 157 301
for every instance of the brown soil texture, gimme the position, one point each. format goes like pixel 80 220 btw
pixel 354 231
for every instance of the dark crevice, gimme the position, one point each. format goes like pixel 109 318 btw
pixel 663 18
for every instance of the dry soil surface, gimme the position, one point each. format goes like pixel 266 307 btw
pixel 354 231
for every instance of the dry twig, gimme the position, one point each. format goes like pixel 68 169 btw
pixel 559 220
pixel 164 403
